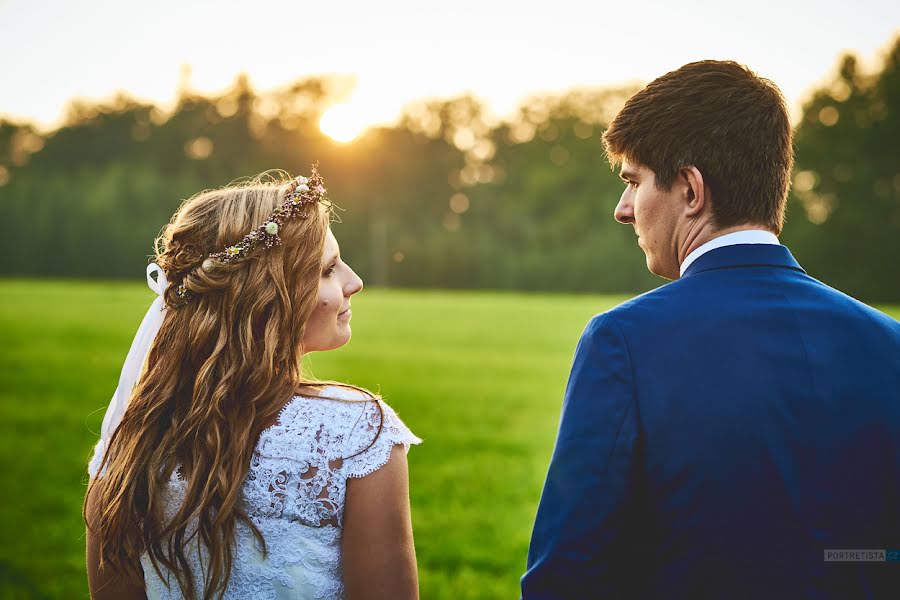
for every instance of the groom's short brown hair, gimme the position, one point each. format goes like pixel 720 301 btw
pixel 723 119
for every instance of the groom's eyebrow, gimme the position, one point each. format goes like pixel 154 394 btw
pixel 628 174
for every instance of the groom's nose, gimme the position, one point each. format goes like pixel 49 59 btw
pixel 624 212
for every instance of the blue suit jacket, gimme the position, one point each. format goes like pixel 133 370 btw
pixel 718 434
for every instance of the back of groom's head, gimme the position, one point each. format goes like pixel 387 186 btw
pixel 723 119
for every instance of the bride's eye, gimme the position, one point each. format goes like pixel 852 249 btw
pixel 329 271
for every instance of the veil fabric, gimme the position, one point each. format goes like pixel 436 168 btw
pixel 134 362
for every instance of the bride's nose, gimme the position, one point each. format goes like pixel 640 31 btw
pixel 354 284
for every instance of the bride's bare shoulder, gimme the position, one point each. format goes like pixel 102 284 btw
pixel 334 391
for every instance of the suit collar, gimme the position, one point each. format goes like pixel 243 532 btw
pixel 744 255
pixel 744 236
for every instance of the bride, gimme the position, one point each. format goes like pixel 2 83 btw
pixel 225 473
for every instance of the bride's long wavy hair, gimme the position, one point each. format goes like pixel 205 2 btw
pixel 218 372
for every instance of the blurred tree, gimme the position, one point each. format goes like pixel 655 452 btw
pixel 844 211
pixel 448 197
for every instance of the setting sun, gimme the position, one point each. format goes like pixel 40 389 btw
pixel 342 123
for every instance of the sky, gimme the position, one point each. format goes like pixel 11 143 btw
pixel 405 50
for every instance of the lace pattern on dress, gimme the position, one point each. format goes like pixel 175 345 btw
pixel 295 494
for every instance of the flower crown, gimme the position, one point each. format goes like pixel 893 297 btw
pixel 301 192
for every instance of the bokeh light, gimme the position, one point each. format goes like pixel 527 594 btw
pixel 343 123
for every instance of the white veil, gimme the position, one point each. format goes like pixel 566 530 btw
pixel 134 362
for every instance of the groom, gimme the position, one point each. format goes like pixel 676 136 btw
pixel 736 432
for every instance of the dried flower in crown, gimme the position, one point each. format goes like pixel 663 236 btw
pixel 302 192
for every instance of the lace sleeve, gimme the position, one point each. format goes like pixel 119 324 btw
pixel 367 453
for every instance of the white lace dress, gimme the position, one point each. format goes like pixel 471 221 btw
pixel 294 493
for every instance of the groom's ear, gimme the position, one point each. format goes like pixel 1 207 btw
pixel 695 193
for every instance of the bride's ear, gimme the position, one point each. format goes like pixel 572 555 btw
pixel 695 192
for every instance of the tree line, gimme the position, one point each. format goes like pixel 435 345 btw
pixel 444 198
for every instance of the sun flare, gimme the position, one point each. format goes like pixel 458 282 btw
pixel 342 123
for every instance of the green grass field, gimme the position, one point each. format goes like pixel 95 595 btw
pixel 479 376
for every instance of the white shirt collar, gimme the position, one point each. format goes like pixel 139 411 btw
pixel 750 236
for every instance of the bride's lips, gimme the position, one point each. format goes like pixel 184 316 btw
pixel 345 314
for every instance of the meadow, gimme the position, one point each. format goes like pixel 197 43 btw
pixel 478 375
